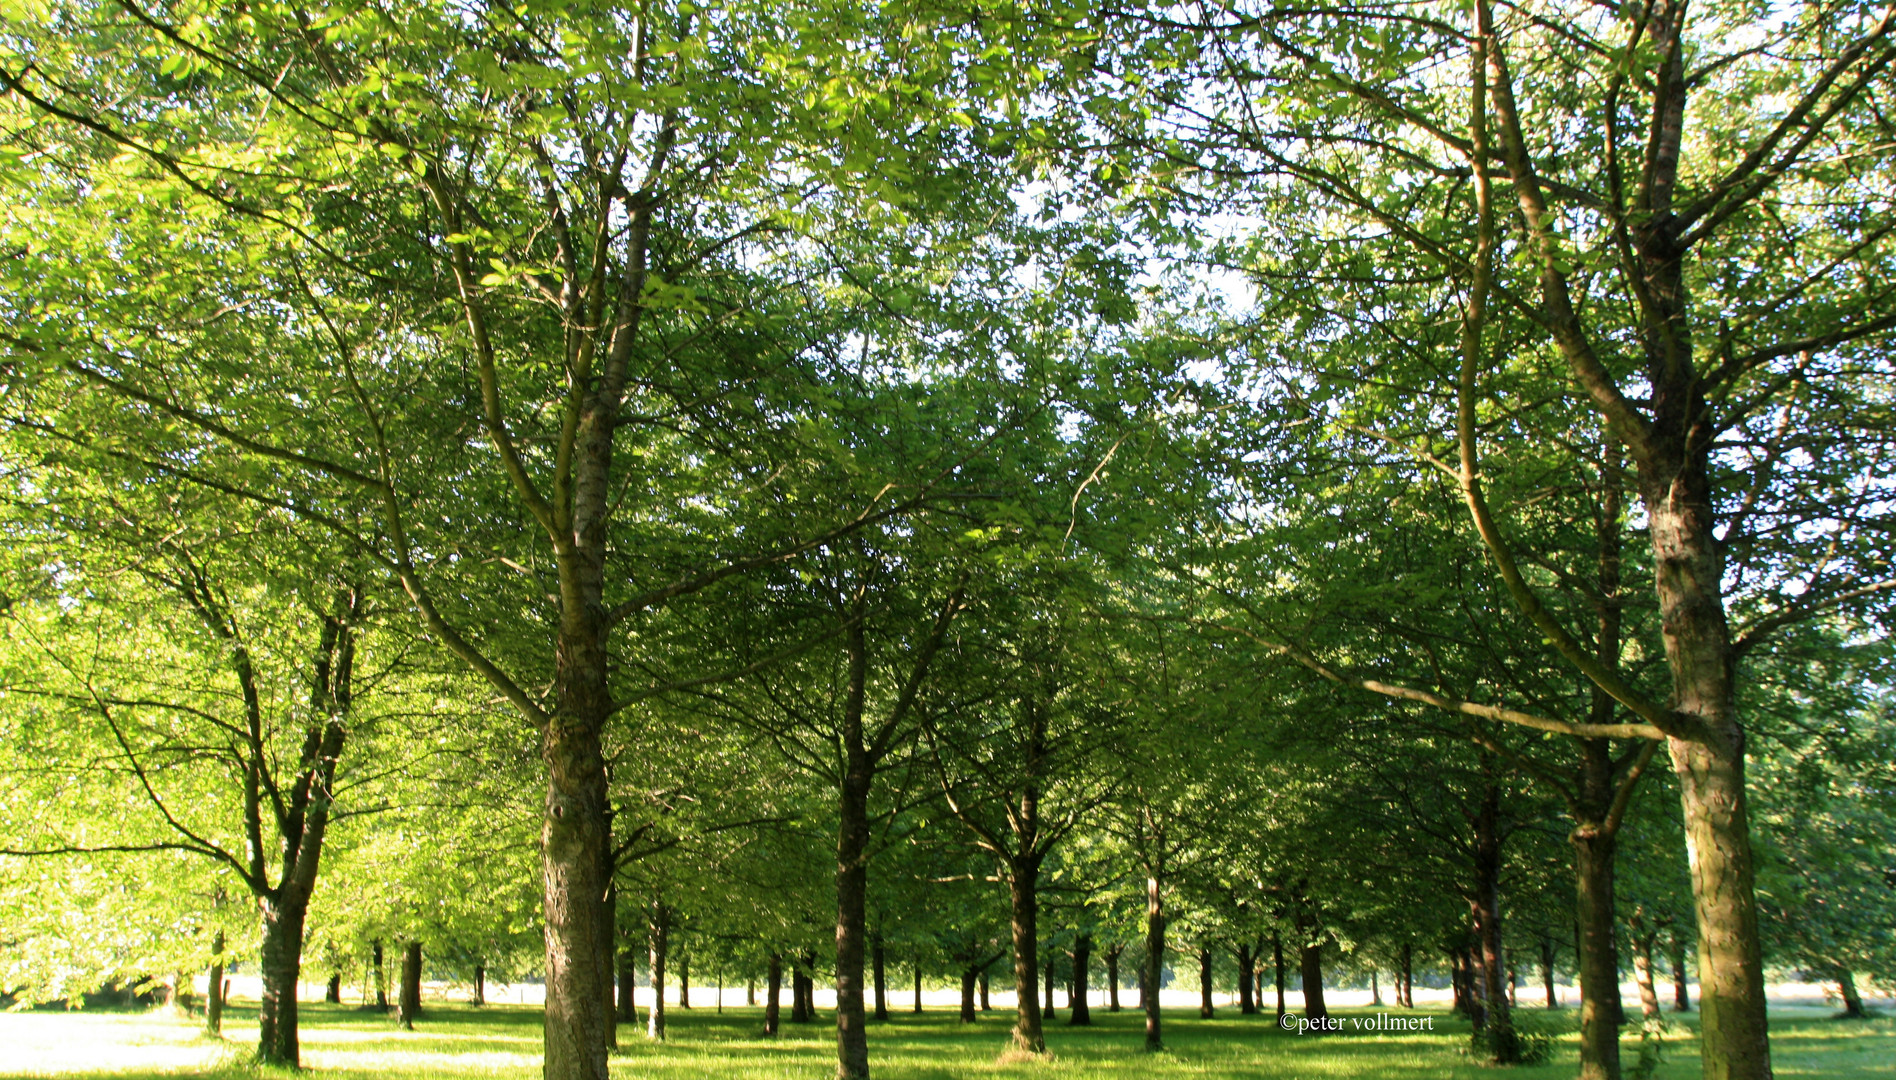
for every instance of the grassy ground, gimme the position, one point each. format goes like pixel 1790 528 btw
pixel 456 1042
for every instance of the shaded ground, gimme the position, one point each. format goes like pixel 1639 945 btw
pixel 456 1041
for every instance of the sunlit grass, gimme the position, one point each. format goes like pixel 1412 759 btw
pixel 456 1041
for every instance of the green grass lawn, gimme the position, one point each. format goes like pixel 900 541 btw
pixel 456 1041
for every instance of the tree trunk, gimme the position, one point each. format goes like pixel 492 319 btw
pixel 381 974
pixel 1503 1044
pixel 480 985
pixel 332 990
pixel 1205 1009
pixel 773 993
pixel 1155 956
pixel 985 1004
pixel 408 1002
pixel 918 985
pixel 609 941
pixel 1022 882
pixel 750 990
pixel 1643 938
pixel 1852 1001
pixel 1047 1012
pixel 1547 970
pixel 803 989
pixel 1681 996
pixel 575 838
pixel 1076 1000
pixel 1375 989
pixel 1313 982
pixel 1112 978
pixel 852 893
pixel 1597 955
pixel 684 979
pixel 1407 1000
pixel 628 1003
pixel 660 929
pixel 280 965
pixel 214 989
pixel 1277 957
pixel 969 977
pixel 878 962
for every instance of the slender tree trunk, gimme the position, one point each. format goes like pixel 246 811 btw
pixel 1312 966
pixel 660 928
pixel 381 974
pixel 878 962
pixel 1408 976
pixel 1643 938
pixel 1154 958
pixel 1597 955
pixel 1375 989
pixel 750 990
pixel 773 993
pixel 1023 879
pixel 969 977
pixel 214 989
pixel 332 990
pixel 985 1005
pixel 1277 957
pixel 1077 1004
pixel 609 942
pixel 1852 1000
pixel 1503 1044
pixel 803 989
pixel 480 985
pixel 1205 1009
pixel 628 1003
pixel 1112 978
pixel 1547 970
pixel 684 979
pixel 1681 996
pixel 1047 1012
pixel 918 985
pixel 408 1001
pixel 852 891
pixel 574 837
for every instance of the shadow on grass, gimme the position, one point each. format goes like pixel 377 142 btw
pixel 501 1041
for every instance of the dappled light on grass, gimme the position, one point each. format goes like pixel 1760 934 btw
pixel 454 1042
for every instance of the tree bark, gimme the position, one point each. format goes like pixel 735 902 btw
pixel 1644 936
pixel 1407 975
pixel 1375 989
pixel 574 837
pixel 878 961
pixel 1205 1009
pixel 214 989
pixel 1155 956
pixel 1547 970
pixel 660 930
pixel 408 1001
pixel 773 993
pixel 985 1004
pixel 381 974
pixel 1112 977
pixel 1076 1001
pixel 280 965
pixel 969 977
pixel 1852 1000
pixel 1047 1011
pixel 332 990
pixel 1277 957
pixel 1022 880
pixel 684 979
pixel 1681 995
pixel 803 988
pixel 852 878
pixel 1504 1047
pixel 1312 967
pixel 1597 955
pixel 480 985
pixel 918 985
pixel 628 1003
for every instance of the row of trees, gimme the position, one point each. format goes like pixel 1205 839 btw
pixel 840 430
